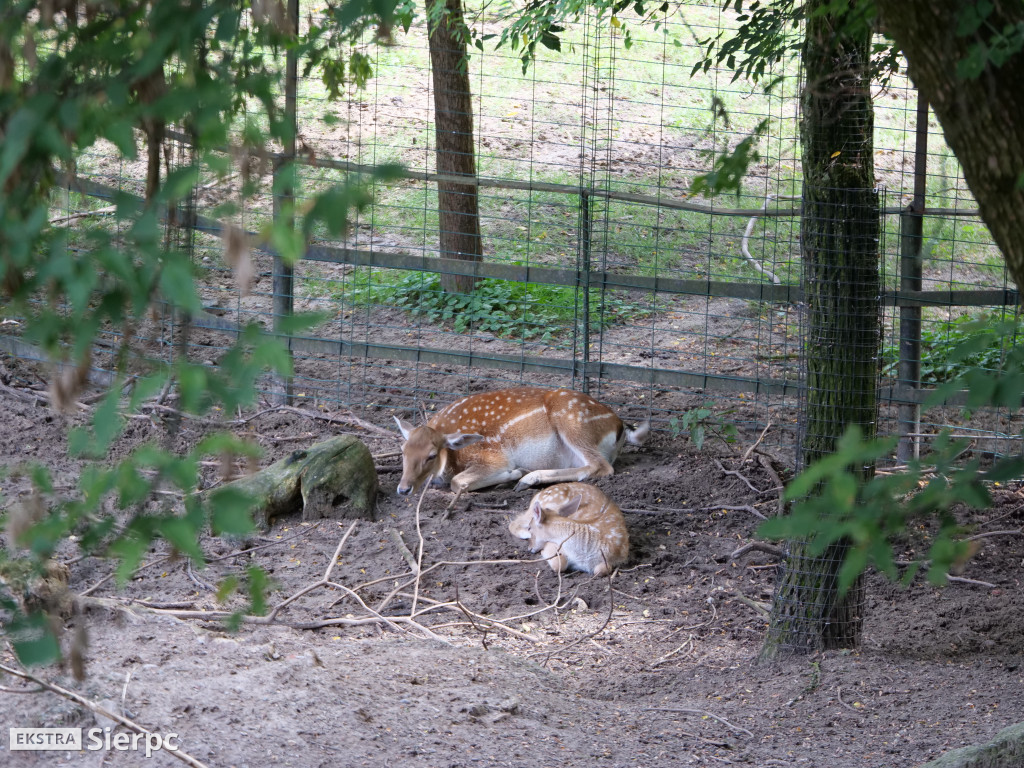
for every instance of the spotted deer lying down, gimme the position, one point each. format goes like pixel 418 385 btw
pixel 528 434
pixel 574 525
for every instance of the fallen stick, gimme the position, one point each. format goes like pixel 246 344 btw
pixel 403 550
pixel 757 607
pixel 750 450
pixel 703 713
pixel 739 475
pixel 180 754
pixel 760 546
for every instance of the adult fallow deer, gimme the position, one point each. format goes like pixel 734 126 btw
pixel 528 434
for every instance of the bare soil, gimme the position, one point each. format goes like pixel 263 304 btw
pixel 655 668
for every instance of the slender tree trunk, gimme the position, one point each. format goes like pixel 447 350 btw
pixel 458 211
pixel 840 229
pixel 982 118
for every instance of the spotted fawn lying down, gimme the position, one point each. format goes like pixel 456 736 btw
pixel 574 525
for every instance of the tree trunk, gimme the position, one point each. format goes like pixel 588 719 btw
pixel 458 211
pixel 839 235
pixel 982 119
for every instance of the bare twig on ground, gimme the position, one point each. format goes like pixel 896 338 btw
pixel 305 532
pixel 469 615
pixel 677 630
pixel 949 577
pixel 418 570
pixel 607 619
pixel 403 550
pixel 975 582
pixel 690 510
pixel 138 570
pixel 702 713
pixel 740 475
pixel 668 656
pixel 750 450
pixel 758 607
pixel 324 581
pixel 766 465
pixel 990 534
pixel 759 546
pixel 348 419
pixel 741 508
pixel 659 510
pixel 839 695
pixel 195 578
pixel 131 725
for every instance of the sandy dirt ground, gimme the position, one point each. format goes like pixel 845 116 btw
pixel 489 658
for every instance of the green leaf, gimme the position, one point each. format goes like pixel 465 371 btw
pixel 33 639
pixel 179 183
pixel 182 534
pixel 232 512
pixel 18 132
pixel 107 422
pixel 259 586
pixel 120 133
pixel 129 550
pixel 226 588
pixel 853 566
pixel 291 325
pixel 177 286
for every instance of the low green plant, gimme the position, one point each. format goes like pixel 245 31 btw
pixel 951 348
pixel 505 308
pixel 832 502
pixel 698 423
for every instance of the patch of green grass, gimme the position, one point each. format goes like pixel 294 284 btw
pixel 508 309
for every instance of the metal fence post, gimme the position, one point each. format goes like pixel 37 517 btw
pixel 284 274
pixel 585 235
pixel 911 271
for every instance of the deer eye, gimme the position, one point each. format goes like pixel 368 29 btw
pixel 432 455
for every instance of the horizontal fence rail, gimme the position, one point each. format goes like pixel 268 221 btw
pixel 651 376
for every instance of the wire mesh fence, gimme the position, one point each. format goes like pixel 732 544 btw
pixel 600 271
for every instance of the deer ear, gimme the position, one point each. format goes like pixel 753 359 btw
pixel 536 512
pixel 404 427
pixel 568 509
pixel 459 440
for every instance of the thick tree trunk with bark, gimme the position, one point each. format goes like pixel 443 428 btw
pixel 983 118
pixel 458 211
pixel 839 235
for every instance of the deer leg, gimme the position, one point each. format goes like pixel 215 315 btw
pixel 471 481
pixel 474 479
pixel 597 467
pixel 555 558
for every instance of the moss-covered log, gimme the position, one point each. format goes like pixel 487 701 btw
pixel 334 479
pixel 1006 750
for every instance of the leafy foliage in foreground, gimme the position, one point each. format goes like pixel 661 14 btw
pixel 77 73
pixel 830 501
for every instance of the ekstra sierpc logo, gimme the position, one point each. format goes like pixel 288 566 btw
pixel 70 739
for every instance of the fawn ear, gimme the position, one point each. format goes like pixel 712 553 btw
pixel 404 427
pixel 459 440
pixel 568 509
pixel 536 512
